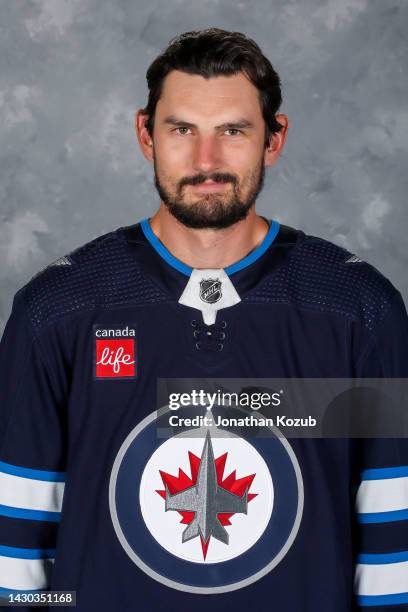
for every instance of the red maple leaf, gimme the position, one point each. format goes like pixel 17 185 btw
pixel 231 483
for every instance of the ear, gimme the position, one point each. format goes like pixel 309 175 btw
pixel 145 142
pixel 276 141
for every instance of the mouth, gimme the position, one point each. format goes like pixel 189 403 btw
pixel 209 186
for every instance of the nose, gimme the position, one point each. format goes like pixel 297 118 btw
pixel 206 154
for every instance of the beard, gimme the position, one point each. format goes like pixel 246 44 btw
pixel 212 210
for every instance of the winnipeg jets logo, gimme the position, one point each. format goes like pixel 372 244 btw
pixel 205 513
pixel 210 290
pixel 205 501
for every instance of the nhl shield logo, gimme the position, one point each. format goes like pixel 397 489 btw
pixel 210 290
pixel 205 514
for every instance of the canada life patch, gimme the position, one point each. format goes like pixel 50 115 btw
pixel 114 351
pixel 207 513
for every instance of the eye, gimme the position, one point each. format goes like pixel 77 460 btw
pixel 234 130
pixel 181 128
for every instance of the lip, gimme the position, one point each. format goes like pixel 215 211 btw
pixel 209 186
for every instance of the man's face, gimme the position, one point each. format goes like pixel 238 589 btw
pixel 208 129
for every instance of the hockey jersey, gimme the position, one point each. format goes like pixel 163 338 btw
pixel 93 500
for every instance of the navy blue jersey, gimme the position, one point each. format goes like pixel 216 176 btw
pixel 93 501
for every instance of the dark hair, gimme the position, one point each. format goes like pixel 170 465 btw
pixel 212 52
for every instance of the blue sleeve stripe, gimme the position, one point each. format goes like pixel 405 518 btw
pixel 382 600
pixel 381 473
pixel 27 553
pixel 34 515
pixel 16 470
pixel 4 593
pixel 374 559
pixel 382 517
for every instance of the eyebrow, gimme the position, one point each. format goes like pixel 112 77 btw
pixel 238 124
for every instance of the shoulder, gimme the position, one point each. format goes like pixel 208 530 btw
pixel 101 272
pixel 324 276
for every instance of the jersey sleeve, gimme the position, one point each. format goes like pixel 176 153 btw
pixel 381 502
pixel 32 453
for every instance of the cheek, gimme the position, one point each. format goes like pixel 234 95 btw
pixel 175 147
pixel 173 158
pixel 242 163
pixel 241 155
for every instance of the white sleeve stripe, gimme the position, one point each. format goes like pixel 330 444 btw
pixel 381 579
pixel 31 494
pixel 17 470
pixel 386 495
pixel 25 574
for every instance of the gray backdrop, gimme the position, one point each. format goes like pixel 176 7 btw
pixel 73 74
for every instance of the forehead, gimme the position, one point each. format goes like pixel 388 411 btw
pixel 196 95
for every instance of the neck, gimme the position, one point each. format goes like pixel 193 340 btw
pixel 208 248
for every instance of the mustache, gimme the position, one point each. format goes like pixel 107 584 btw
pixel 201 178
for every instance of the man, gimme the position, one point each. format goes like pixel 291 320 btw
pixel 93 497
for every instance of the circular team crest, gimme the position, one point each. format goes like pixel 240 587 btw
pixel 205 514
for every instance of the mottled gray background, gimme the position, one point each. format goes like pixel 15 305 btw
pixel 73 74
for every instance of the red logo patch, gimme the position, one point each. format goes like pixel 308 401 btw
pixel 115 357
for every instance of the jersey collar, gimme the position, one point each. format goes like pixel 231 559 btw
pixel 187 270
